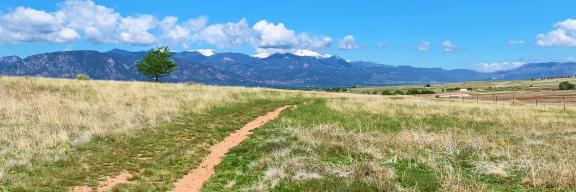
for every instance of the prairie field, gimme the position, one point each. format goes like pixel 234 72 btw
pixel 57 134
pixel 480 87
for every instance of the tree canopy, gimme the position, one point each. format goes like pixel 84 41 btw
pixel 157 63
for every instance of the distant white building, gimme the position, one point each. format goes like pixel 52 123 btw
pixel 453 95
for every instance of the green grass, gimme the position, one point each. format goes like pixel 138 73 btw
pixel 413 175
pixel 238 167
pixel 156 157
pixel 277 146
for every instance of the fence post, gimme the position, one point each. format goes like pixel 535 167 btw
pixel 564 102
pixel 536 100
pixel 496 101
pixel 513 99
pixel 476 98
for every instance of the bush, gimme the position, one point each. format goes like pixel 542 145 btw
pixel 427 85
pixel 427 92
pixel 565 85
pixel 412 92
pixel 453 89
pixel 398 92
pixel 82 77
pixel 386 92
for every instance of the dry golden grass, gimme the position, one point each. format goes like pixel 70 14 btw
pixel 47 117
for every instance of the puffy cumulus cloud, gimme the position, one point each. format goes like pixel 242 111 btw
pixel 564 34
pixel 172 31
pixel 448 46
pixel 30 25
pixel 306 41
pixel 423 46
pixel 184 33
pixel 492 67
pixel 135 30
pixel 72 20
pixel 274 38
pixel 348 43
pixel 84 19
pixel 228 35
pixel 96 22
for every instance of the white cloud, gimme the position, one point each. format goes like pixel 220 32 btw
pixel 182 34
pixel 98 23
pixel 448 46
pixel 272 37
pixel 228 35
pixel 348 43
pixel 306 41
pixel 84 19
pixel 30 25
pixel 423 46
pixel 173 32
pixel 492 67
pixel 196 24
pixel 564 34
pixel 135 30
pixel 516 42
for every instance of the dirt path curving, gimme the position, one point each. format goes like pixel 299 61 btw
pixel 107 184
pixel 194 180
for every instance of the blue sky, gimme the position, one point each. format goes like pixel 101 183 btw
pixel 484 35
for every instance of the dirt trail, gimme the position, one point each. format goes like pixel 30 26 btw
pixel 194 180
pixel 108 184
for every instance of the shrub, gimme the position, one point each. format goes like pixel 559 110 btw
pixel 386 92
pixel 398 92
pixel 427 92
pixel 565 85
pixel 412 92
pixel 453 89
pixel 427 85
pixel 82 77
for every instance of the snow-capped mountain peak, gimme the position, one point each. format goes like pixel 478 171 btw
pixel 205 52
pixel 310 53
pixel 261 55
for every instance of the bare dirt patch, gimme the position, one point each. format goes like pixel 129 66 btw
pixel 194 180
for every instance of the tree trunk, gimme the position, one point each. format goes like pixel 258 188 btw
pixel 156 79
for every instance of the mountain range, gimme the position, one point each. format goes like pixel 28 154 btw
pixel 301 69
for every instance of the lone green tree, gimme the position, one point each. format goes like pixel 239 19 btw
pixel 157 63
pixel 565 85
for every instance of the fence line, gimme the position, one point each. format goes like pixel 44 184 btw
pixel 563 101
